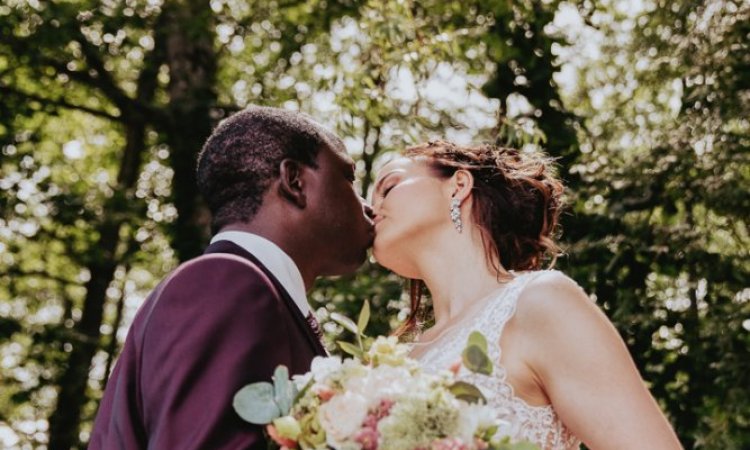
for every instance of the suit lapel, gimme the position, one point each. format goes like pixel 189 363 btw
pixel 234 249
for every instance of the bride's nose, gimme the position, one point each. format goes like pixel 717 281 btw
pixel 367 208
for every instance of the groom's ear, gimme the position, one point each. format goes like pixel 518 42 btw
pixel 291 182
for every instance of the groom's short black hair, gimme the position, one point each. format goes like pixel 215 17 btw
pixel 242 156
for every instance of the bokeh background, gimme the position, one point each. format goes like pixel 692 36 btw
pixel 104 105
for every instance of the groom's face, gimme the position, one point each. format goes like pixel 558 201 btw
pixel 340 220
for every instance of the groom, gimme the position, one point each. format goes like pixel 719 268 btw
pixel 280 189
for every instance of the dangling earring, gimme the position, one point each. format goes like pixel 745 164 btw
pixel 456 214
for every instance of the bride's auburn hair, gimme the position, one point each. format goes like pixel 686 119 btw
pixel 516 205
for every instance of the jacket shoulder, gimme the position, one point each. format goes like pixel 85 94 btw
pixel 220 268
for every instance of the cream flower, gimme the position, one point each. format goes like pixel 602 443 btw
pixel 387 350
pixel 383 382
pixel 301 380
pixel 321 367
pixel 473 417
pixel 342 416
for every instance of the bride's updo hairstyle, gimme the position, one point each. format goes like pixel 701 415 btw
pixel 516 204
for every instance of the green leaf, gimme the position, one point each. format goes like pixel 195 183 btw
pixel 478 339
pixel 466 392
pixel 255 403
pixel 364 317
pixel 476 360
pixel 505 444
pixel 350 349
pixel 345 322
pixel 283 390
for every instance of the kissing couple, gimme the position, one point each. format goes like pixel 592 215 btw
pixel 473 224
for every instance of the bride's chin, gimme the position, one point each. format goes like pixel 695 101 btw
pixel 378 256
pixel 394 264
pixel 384 257
pixel 377 249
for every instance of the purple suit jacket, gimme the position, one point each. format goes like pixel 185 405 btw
pixel 217 323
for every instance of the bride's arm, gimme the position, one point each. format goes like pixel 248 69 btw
pixel 586 370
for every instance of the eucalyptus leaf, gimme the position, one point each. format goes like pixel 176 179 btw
pixel 467 392
pixel 364 317
pixel 299 393
pixel 478 339
pixel 283 390
pixel 345 322
pixel 255 403
pixel 507 445
pixel 476 360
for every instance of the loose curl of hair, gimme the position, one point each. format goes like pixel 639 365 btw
pixel 516 205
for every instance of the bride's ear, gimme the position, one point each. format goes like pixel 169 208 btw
pixel 461 184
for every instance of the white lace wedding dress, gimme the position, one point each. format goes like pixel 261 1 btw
pixel 537 424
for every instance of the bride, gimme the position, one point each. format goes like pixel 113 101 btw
pixel 474 225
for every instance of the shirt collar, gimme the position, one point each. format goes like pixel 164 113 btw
pixel 276 261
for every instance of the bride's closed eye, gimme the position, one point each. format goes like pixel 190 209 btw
pixel 387 190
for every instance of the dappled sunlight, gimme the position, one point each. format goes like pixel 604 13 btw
pixel 105 106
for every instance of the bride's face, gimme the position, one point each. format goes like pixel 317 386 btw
pixel 411 206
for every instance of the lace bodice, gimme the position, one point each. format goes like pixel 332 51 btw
pixel 537 424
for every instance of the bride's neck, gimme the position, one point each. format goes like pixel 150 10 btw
pixel 457 274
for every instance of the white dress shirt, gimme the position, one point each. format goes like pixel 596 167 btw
pixel 275 260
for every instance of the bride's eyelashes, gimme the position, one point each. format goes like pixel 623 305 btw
pixel 387 190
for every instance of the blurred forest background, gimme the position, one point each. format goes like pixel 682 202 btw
pixel 104 105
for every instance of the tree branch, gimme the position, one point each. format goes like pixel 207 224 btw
pixel 7 90
pixel 104 79
pixel 16 272
pixel 124 103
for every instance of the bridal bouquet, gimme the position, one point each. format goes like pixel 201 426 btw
pixel 378 399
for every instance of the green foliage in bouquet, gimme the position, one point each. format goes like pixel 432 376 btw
pixel 380 398
pixel 262 402
pixel 475 356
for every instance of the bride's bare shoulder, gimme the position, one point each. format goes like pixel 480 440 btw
pixel 553 296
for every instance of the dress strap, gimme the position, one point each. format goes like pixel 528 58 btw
pixel 501 309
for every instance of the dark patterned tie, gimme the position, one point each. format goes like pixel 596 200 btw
pixel 315 326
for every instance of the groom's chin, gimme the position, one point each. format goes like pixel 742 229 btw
pixel 348 266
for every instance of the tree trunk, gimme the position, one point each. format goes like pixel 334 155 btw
pixel 65 419
pixel 369 158
pixel 64 422
pixel 112 344
pixel 191 59
pixel 538 62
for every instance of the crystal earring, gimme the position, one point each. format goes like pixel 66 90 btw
pixel 456 214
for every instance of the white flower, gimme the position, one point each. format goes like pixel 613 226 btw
pixel 342 416
pixel 301 380
pixel 506 428
pixel 387 350
pixel 321 367
pixel 473 417
pixel 382 382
